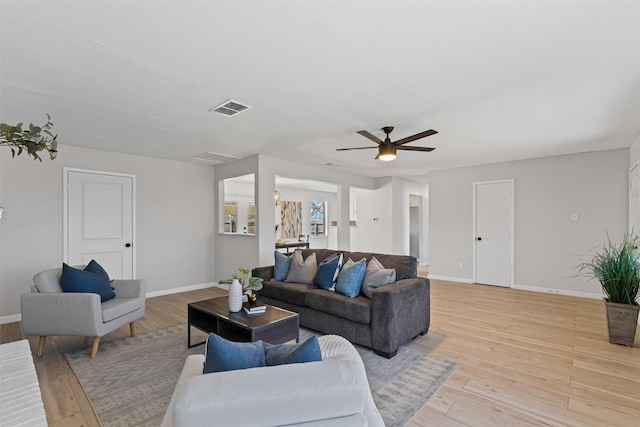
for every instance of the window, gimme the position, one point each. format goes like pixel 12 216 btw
pixel 318 218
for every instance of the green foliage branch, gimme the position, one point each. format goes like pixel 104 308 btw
pixel 32 140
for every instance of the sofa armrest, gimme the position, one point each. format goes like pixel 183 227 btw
pixel 130 288
pixel 226 397
pixel 399 312
pixel 69 313
pixel 265 273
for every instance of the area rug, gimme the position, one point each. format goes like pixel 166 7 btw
pixel 131 380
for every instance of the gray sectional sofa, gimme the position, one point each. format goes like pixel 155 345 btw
pixel 395 314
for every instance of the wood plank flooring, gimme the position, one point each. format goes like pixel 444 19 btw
pixel 526 359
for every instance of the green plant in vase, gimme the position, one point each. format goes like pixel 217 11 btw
pixel 617 268
pixel 250 285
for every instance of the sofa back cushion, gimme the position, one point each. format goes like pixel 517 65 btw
pixel 406 266
pixel 49 280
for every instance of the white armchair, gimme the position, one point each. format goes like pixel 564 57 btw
pixel 49 311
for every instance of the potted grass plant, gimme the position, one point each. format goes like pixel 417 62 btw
pixel 617 269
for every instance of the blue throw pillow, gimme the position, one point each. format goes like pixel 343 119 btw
pixel 94 267
pixel 87 281
pixel 307 351
pixel 351 277
pixel 328 271
pixel 281 266
pixel 224 355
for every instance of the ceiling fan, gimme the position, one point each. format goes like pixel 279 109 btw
pixel 387 148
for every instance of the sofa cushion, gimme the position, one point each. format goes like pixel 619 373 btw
pixel 293 293
pixel 406 266
pixel 117 307
pixel 320 253
pixel 375 276
pixel 282 354
pixel 281 266
pixel 302 270
pixel 87 281
pixel 224 355
pixel 328 270
pixel 350 278
pixel 357 309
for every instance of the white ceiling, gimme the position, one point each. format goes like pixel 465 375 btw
pixel 498 80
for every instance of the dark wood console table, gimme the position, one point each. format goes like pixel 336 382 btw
pixel 295 245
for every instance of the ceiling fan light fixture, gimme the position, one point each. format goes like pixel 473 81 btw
pixel 386 152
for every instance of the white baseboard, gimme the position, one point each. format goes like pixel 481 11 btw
pixel 182 289
pixel 450 279
pixel 558 291
pixel 10 319
pixel 18 317
pixel 525 288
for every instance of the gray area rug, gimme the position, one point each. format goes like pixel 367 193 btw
pixel 131 380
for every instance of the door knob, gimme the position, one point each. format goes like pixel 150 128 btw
pixel 478 238
pixel 128 245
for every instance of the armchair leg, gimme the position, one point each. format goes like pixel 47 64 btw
pixel 94 347
pixel 41 341
pixel 132 328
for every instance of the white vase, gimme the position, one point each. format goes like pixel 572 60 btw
pixel 235 296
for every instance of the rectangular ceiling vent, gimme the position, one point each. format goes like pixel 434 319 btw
pixel 230 108
pixel 212 158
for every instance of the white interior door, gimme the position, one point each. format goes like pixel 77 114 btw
pixel 99 221
pixel 493 233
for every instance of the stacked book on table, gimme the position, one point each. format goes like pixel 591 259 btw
pixel 254 307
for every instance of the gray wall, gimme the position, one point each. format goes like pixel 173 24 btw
pixel 174 244
pixel 548 245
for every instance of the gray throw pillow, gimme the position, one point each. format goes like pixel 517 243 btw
pixel 302 270
pixel 375 276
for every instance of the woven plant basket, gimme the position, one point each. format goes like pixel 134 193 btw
pixel 622 320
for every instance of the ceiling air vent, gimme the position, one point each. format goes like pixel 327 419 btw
pixel 212 158
pixel 230 108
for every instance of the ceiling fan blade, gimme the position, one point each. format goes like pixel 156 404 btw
pixel 370 136
pixel 404 147
pixel 416 136
pixel 354 148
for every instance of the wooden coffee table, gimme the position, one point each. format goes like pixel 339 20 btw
pixel 274 326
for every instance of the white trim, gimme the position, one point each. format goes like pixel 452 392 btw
pixel 65 212
pixel 181 289
pixel 18 317
pixel 449 279
pixel 475 184
pixel 590 295
pixel 11 318
pixel 632 221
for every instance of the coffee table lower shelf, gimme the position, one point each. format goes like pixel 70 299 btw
pixel 274 326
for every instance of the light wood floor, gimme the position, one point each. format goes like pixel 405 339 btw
pixel 525 359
